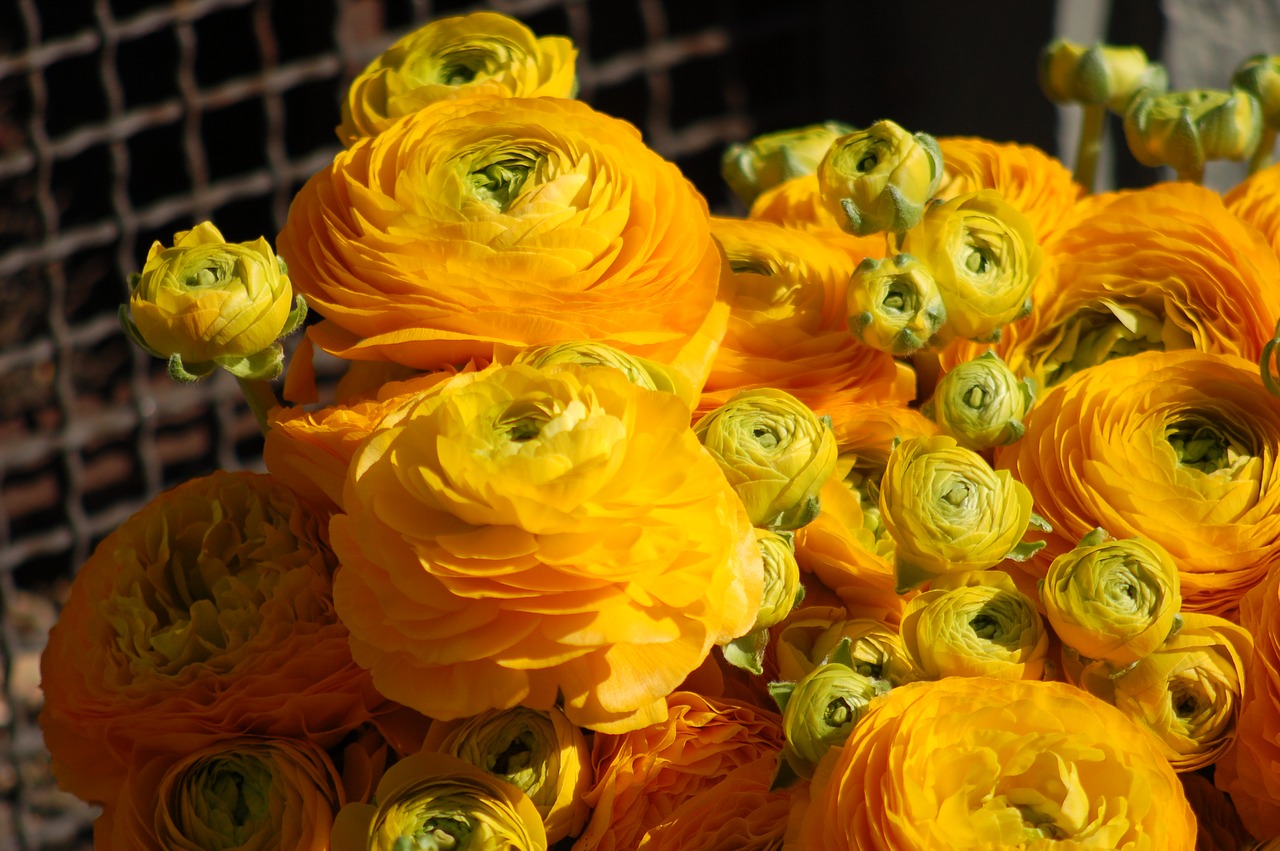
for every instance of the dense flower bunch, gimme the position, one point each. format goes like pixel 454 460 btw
pixel 933 505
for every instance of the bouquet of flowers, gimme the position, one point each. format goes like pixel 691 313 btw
pixel 933 505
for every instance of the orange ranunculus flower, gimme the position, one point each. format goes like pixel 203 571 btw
pixel 1248 771
pixel 1180 448
pixel 978 763
pixel 433 800
pixel 1165 267
pixel 476 55
pixel 797 203
pixel 787 328
pixel 644 776
pixel 740 813
pixel 1256 200
pixel 207 614
pixel 540 752
pixel 522 536
pixel 1187 692
pixel 234 793
pixel 1036 184
pixel 506 220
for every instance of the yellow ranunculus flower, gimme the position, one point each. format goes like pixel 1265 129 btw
pixel 880 178
pixel 981 403
pixel 1100 74
pixel 1112 601
pixel 540 752
pixel 774 158
pixel 206 302
pixel 820 710
pixel 433 800
pixel 476 55
pixel 781 577
pixel 774 451
pixel 1164 267
pixel 894 304
pixel 541 537
pixel 948 511
pixel 1186 129
pixel 974 624
pixel 984 257
pixel 235 793
pixel 1179 448
pixel 506 221
pixel 1188 692
pixel 974 763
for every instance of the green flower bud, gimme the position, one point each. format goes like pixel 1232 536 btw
pixel 821 711
pixel 641 372
pixel 894 304
pixel 1259 75
pixel 981 403
pixel 1113 601
pixel 782 589
pixel 774 451
pixel 207 303
pixel 879 179
pixel 875 648
pixel 975 624
pixel 1186 129
pixel 1101 74
pixel 766 161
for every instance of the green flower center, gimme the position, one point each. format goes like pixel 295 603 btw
pixel 976 397
pixel 225 801
pixel 839 713
pixel 1097 335
pixel 1208 447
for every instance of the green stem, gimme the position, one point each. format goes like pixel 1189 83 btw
pixel 1262 154
pixel 261 397
pixel 1095 117
pixel 1192 175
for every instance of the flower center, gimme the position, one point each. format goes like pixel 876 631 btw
pixel 1208 447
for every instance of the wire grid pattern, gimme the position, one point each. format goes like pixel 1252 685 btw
pixel 91 427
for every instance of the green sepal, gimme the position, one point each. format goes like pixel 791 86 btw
pixel 853 223
pixel 1039 522
pixel 747 651
pixel 1024 550
pixel 992 338
pixel 131 331
pixel 908 575
pixel 1175 627
pixel 842 654
pixel 1269 380
pixel 825 419
pixel 785 775
pixel 296 316
pixel 1013 431
pixel 781 693
pixel 263 366
pixel 1028 387
pixel 134 280
pixel 188 373
pixel 1096 536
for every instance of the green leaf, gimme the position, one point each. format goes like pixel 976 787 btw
pixel 1039 523
pixel 188 373
pixel 781 693
pixel 263 366
pixel 747 652
pixel 1025 550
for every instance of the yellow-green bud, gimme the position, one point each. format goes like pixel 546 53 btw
pixel 821 711
pixel 782 589
pixel 879 179
pixel 1260 76
pixel 894 304
pixel 206 303
pixel 981 403
pixel 1101 74
pixel 766 161
pixel 1186 129
pixel 774 451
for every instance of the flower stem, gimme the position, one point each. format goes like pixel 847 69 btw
pixel 1090 146
pixel 1262 154
pixel 1192 175
pixel 261 397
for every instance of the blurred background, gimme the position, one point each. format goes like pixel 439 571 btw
pixel 123 121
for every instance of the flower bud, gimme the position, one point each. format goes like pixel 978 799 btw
pixel 766 161
pixel 894 304
pixel 1188 692
pixel 1259 75
pixel 1113 601
pixel 981 403
pixel 206 303
pixel 975 624
pixel 875 647
pixel 879 179
pixel 782 589
pixel 1186 129
pixel 1101 74
pixel 774 451
pixel 821 711
pixel 984 257
pixel 948 511
pixel 641 372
